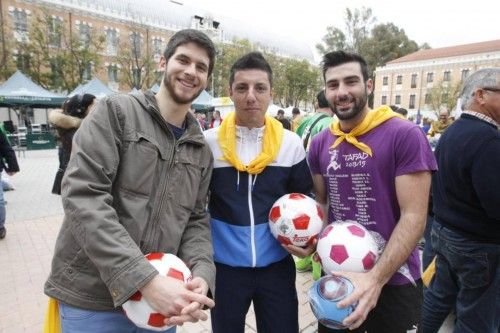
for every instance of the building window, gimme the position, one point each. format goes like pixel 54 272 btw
pixel 411 105
pixel 385 81
pixel 446 76
pixel 136 76
pixel 87 72
pixel 111 41
pixel 430 77
pixel 84 29
pixel 23 61
pixel 135 43
pixel 414 80
pixel 465 74
pixel 398 100
pixel 399 79
pixel 20 20
pixel 157 47
pixel 55 26
pixel 384 100
pixel 427 99
pixel 113 73
pixel 444 98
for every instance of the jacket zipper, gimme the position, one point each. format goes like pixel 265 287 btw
pixel 152 235
pixel 252 221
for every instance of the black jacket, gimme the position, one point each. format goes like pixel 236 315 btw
pixel 8 160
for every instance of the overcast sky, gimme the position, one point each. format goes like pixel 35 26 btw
pixel 440 23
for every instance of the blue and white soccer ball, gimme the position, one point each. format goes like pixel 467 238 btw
pixel 324 296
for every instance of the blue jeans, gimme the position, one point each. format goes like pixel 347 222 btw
pixel 2 209
pixel 467 279
pixel 76 320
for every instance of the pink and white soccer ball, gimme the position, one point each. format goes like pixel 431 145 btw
pixel 295 219
pixel 137 308
pixel 346 246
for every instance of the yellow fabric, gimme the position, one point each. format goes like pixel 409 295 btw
pixel 273 136
pixel 429 273
pixel 372 120
pixel 52 320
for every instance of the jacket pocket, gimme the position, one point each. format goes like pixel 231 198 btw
pixel 139 162
pixel 188 173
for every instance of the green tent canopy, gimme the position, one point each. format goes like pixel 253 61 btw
pixel 19 90
pixel 202 102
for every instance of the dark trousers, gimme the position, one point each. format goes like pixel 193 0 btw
pixel 397 311
pixel 272 290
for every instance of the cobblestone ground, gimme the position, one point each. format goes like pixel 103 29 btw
pixel 34 217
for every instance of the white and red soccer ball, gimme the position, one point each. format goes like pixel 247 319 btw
pixel 295 219
pixel 137 308
pixel 346 246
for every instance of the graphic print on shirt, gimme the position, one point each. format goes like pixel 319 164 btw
pixel 359 191
pixel 334 165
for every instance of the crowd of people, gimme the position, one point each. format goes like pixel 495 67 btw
pixel 145 174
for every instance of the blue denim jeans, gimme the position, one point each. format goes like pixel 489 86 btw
pixel 76 320
pixel 2 209
pixel 467 280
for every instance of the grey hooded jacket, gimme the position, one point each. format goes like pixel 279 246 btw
pixel 130 189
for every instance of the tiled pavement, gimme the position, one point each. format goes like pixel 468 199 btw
pixel 34 217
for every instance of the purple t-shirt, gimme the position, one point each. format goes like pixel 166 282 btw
pixel 363 189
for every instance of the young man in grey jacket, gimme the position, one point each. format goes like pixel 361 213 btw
pixel 137 183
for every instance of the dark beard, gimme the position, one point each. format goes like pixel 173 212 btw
pixel 174 96
pixel 359 105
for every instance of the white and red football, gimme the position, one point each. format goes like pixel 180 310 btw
pixel 295 219
pixel 137 308
pixel 346 246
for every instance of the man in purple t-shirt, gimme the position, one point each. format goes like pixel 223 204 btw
pixel 376 170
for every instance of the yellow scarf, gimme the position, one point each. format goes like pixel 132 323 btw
pixel 273 136
pixel 372 120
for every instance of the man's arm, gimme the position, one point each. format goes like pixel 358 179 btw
pixel 412 192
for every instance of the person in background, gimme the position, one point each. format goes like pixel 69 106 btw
pixel 314 124
pixel 374 167
pixel 8 162
pixel 256 162
pixel 307 130
pixel 281 118
pixel 216 119
pixel 137 182
pixel 466 202
pixel 426 125
pixel 296 119
pixel 66 121
pixel 401 111
pixel 439 126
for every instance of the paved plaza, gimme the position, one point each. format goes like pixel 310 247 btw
pixel 34 217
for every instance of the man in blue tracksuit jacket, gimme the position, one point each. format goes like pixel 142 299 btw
pixel 256 162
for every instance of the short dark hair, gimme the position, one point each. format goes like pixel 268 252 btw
pixel 77 105
pixel 280 111
pixel 337 58
pixel 295 111
pixel 322 102
pixel 191 36
pixel 252 60
pixel 401 111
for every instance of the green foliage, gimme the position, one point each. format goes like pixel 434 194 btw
pixel 56 59
pixel 7 66
pixel 294 81
pixel 135 57
pixel 378 45
pixel 444 95
pixel 386 42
